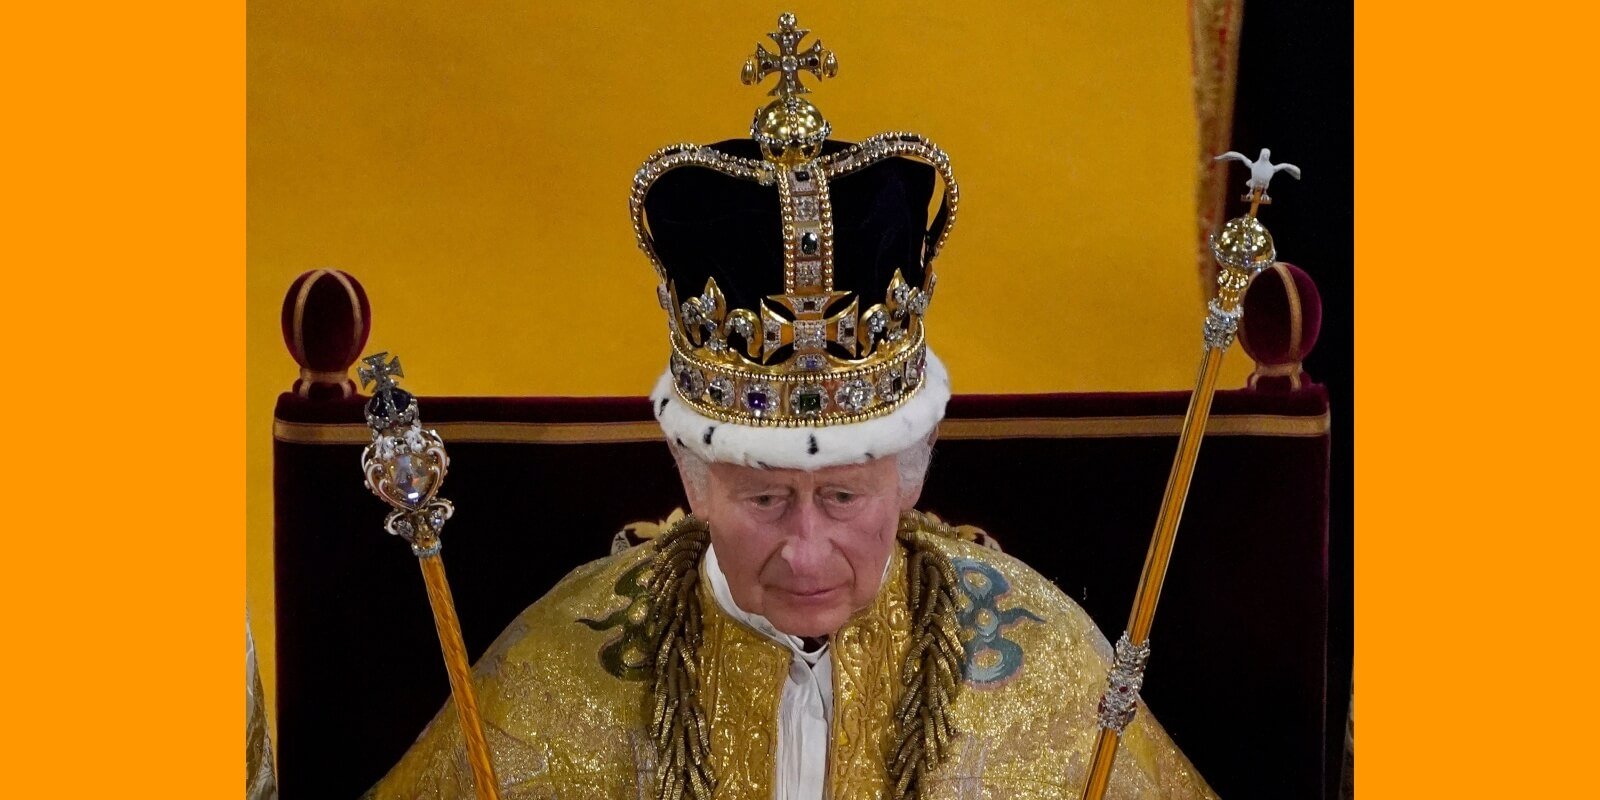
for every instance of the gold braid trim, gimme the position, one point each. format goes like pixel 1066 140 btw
pixel 678 723
pixel 933 669
pixel 931 674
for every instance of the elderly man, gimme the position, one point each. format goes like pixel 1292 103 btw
pixel 804 632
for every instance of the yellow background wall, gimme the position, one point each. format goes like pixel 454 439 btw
pixel 469 163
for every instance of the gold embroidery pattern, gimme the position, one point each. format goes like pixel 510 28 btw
pixel 866 690
pixel 744 680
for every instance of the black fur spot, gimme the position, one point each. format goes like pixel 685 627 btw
pixel 663 406
pixel 763 465
pixel 869 456
pixel 811 445
pixel 680 441
pixel 709 431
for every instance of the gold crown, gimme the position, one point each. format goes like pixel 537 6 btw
pixel 810 356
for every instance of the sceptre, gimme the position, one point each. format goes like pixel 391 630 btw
pixel 404 466
pixel 1241 249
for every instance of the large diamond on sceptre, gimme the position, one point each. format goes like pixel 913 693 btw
pixel 405 466
pixel 1242 248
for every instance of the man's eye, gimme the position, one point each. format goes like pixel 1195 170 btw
pixel 764 500
pixel 843 497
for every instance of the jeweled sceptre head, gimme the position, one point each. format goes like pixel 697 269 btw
pixel 796 272
pixel 405 464
pixel 1242 247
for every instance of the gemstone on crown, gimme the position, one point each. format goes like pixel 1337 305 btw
pixel 808 400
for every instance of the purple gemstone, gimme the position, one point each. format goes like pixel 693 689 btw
pixel 757 400
pixel 691 383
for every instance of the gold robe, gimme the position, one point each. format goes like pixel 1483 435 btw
pixel 564 700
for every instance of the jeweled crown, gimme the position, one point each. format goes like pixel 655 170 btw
pixel 795 271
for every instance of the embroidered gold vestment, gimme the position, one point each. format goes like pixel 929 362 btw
pixel 565 700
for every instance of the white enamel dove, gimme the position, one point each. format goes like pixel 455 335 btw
pixel 1261 170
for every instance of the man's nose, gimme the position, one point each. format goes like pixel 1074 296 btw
pixel 805 547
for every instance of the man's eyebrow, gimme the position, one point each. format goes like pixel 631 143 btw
pixel 856 483
pixel 763 483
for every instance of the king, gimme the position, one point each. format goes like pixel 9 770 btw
pixel 804 632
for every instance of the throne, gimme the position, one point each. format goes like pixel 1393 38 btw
pixel 1242 675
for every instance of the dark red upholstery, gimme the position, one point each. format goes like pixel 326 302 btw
pixel 1240 643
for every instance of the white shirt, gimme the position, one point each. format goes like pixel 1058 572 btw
pixel 806 709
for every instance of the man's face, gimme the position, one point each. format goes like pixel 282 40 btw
pixel 804 549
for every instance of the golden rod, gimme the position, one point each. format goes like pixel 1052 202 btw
pixel 460 670
pixel 1105 754
pixel 1159 555
pixel 1242 248
pixel 1177 493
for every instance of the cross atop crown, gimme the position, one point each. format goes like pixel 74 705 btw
pixel 789 60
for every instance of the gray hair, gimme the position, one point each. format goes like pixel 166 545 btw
pixel 912 462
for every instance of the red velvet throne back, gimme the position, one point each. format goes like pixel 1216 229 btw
pixel 1069 483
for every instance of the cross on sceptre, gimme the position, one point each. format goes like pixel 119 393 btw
pixel 381 369
pixel 1261 171
pixel 789 60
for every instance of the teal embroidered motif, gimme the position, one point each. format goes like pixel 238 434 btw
pixel 992 659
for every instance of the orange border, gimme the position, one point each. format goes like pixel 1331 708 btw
pixel 1474 543
pixel 124 244
pixel 1474 475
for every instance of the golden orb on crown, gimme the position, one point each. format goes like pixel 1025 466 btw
pixel 790 131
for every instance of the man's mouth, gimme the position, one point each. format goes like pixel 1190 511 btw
pixel 809 594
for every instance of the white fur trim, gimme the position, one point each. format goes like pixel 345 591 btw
pixel 791 448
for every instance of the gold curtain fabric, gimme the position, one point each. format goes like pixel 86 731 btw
pixel 1214 31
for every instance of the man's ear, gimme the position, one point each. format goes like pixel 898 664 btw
pixel 909 498
pixel 690 488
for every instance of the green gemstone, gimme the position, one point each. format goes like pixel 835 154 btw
pixel 807 400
